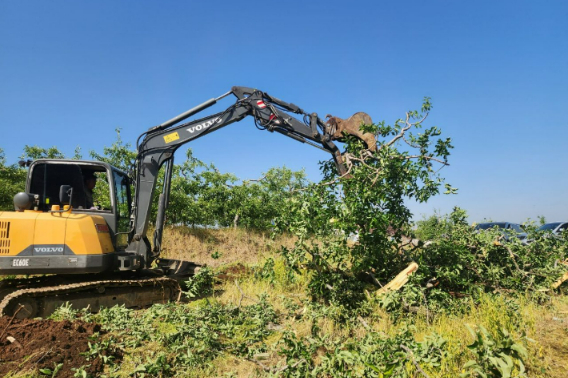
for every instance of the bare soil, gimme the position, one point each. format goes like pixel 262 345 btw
pixel 43 344
pixel 233 272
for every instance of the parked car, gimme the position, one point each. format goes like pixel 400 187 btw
pixel 509 229
pixel 555 227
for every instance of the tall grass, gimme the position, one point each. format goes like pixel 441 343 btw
pixel 494 312
pixel 544 326
pixel 216 247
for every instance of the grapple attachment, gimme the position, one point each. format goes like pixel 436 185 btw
pixel 337 128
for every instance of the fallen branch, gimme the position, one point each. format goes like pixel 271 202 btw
pixel 363 322
pixel 560 281
pixel 375 281
pixel 10 322
pixel 243 295
pixel 264 367
pixel 14 341
pixel 291 366
pixel 400 280
pixel 411 355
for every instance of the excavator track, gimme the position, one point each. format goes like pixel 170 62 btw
pixel 42 300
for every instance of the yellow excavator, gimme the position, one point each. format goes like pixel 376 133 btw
pixel 90 256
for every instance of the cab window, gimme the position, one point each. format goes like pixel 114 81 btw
pixel 122 190
pixel 89 183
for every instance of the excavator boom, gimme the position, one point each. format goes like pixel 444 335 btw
pixel 159 144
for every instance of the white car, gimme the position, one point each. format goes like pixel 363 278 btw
pixel 555 227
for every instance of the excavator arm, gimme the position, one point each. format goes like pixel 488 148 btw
pixel 159 144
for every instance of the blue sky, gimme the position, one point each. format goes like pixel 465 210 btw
pixel 71 72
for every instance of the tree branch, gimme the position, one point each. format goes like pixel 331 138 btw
pixel 346 174
pixel 427 158
pixel 243 295
pixel 405 129
pixel 411 355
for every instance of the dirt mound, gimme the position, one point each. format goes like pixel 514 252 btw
pixel 44 344
pixel 233 271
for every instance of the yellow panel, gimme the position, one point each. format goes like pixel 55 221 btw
pixel 104 237
pixel 82 235
pixel 50 230
pixel 171 137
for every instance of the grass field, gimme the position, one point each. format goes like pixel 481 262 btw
pixel 259 322
pixel 241 253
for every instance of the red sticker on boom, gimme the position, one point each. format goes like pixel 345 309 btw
pixel 261 104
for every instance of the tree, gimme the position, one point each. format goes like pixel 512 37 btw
pixel 196 194
pixel 437 225
pixel 200 194
pixel 36 152
pixel 12 181
pixel 368 201
pixel 119 154
pixel 13 177
pixel 256 203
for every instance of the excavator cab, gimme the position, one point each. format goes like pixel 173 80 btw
pixel 62 224
pixel 97 188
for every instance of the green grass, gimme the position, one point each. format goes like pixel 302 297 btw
pixel 259 321
pixel 229 340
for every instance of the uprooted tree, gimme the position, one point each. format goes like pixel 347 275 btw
pixel 369 202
